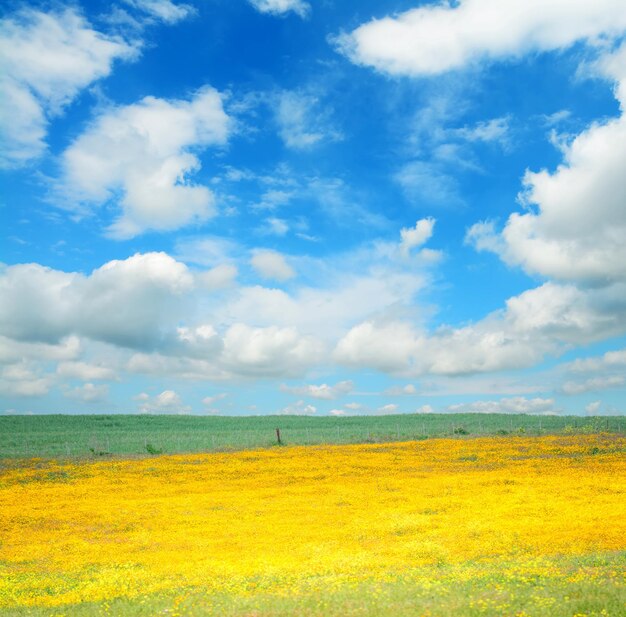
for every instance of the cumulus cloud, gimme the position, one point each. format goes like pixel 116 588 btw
pixel 124 302
pixel 23 379
pixel 596 373
pixel 433 39
pixel 220 277
pixel 271 265
pixel 337 412
pixel 47 59
pixel 425 409
pixel 326 311
pixel 594 384
pixel 300 408
pixel 302 122
pixel 269 352
pixel 387 409
pixel 609 360
pixel 11 350
pixel 166 402
pixel 517 404
pixel 540 321
pixel 282 7
pixel 88 393
pixel 574 228
pixel 179 366
pixel 413 237
pixel 209 401
pixel 85 371
pixel 593 408
pixel 140 156
pixel 323 391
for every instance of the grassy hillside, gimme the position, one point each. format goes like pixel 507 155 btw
pixel 105 435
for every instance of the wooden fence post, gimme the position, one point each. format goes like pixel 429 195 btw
pixel 278 436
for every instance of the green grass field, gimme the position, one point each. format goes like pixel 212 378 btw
pixel 114 435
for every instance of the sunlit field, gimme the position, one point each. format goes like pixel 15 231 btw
pixel 510 525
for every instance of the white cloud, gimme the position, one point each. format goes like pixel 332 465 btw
pixel 609 360
pixel 387 409
pixel 178 366
pixel 594 384
pixel 425 409
pixel 596 373
pixel 163 10
pixel 209 401
pixel 389 347
pixel 124 303
pixel 166 402
pixel 302 122
pixel 271 265
pixel 574 228
pixel 22 379
pixel 275 227
pixel 593 408
pixel 493 130
pixel 85 371
pixel 353 406
pixel 485 385
pixel 517 404
pixel 323 391
pixel 144 153
pixel 282 7
pixel 433 39
pixel 326 311
pixel 202 342
pixel 11 350
pixel 268 352
pixel 416 236
pixel 88 393
pixel 273 199
pixel 138 304
pixel 300 408
pixel 541 321
pixel 220 277
pixel 209 251
pixel 47 59
pixel 337 412
pixel 407 390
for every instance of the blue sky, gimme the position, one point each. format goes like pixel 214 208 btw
pixel 280 206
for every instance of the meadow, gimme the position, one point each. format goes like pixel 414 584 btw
pixel 509 525
pixel 59 435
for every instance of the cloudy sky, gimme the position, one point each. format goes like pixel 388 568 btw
pixel 333 207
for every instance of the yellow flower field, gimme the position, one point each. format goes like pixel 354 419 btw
pixel 482 526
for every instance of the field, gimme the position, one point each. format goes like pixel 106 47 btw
pixel 113 435
pixel 510 525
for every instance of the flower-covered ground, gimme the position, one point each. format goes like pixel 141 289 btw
pixel 526 526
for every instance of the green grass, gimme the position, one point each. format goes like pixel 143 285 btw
pixel 592 586
pixel 122 435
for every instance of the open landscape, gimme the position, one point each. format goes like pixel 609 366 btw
pixel 509 524
pixel 313 308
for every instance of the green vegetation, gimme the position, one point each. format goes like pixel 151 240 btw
pixel 69 436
